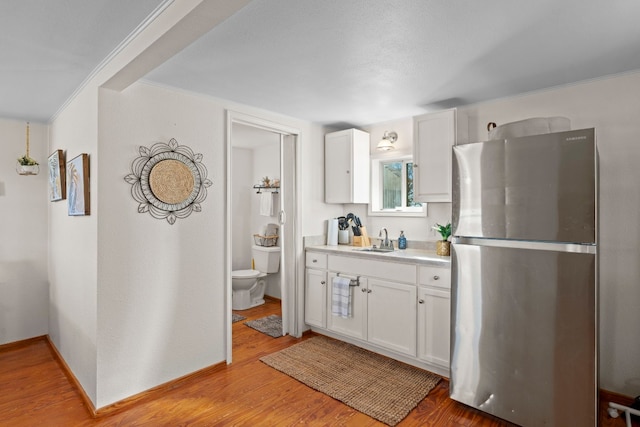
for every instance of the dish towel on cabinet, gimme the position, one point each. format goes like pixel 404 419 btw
pixel 341 297
pixel 266 203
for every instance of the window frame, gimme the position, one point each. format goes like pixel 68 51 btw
pixel 377 186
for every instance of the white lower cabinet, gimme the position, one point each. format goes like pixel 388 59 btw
pixel 434 315
pixel 315 289
pixel 383 313
pixel 315 302
pixel 391 320
pixel 434 325
pixel 400 308
pixel 356 325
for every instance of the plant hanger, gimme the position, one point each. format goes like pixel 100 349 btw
pixel 26 165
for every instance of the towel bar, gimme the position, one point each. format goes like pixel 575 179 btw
pixel 352 282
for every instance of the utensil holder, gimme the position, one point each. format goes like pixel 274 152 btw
pixel 363 239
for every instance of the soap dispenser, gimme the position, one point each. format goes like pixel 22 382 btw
pixel 402 241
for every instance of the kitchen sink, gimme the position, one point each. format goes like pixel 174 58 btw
pixel 373 249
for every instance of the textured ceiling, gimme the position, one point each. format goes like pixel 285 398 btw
pixel 361 61
pixel 49 47
pixel 334 62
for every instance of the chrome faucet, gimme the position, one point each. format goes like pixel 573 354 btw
pixel 385 243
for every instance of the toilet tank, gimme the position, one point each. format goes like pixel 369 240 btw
pixel 266 258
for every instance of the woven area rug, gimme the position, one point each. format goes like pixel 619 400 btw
pixel 270 325
pixel 375 385
pixel 236 317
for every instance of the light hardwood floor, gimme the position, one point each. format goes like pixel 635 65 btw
pixel 34 391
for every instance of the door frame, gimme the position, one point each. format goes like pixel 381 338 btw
pixel 290 290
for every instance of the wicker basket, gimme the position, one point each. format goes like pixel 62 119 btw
pixel 265 240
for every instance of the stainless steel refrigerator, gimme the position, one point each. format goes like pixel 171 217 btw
pixel 524 278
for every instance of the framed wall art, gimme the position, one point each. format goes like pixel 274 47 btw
pixel 57 175
pixel 78 197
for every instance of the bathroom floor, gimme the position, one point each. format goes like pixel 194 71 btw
pixel 271 306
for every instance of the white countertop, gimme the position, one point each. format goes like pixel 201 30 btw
pixel 414 256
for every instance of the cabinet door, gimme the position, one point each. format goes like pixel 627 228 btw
pixel 434 135
pixel 392 315
pixel 338 181
pixel 434 307
pixel 346 166
pixel 354 326
pixel 315 298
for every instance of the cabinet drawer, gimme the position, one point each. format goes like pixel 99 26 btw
pixel 439 277
pixel 384 270
pixel 316 260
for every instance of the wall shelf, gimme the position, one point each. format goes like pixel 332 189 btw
pixel 262 188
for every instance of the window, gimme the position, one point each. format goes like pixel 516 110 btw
pixel 392 188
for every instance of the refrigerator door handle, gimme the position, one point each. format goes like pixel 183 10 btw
pixel 526 244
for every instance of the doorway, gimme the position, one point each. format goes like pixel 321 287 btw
pixel 257 148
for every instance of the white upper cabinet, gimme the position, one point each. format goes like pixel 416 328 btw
pixel 433 136
pixel 346 167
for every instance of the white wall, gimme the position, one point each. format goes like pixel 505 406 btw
pixel 611 106
pixel 134 301
pixel 23 231
pixel 73 253
pixel 315 212
pixel 161 287
pixel 266 162
pixel 242 195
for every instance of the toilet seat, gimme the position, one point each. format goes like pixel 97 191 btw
pixel 245 274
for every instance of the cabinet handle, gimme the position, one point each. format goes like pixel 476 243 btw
pixel 348 171
pixel 420 301
pixel 364 290
pixel 436 277
pixel 315 260
pixel 415 166
pixel 323 282
pixel 368 291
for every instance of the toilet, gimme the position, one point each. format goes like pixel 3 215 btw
pixel 248 285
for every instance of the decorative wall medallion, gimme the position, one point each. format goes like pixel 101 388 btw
pixel 168 181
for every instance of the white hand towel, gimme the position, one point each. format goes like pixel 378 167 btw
pixel 266 203
pixel 341 297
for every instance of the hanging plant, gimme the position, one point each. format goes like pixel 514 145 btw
pixel 26 165
pixel 27 161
